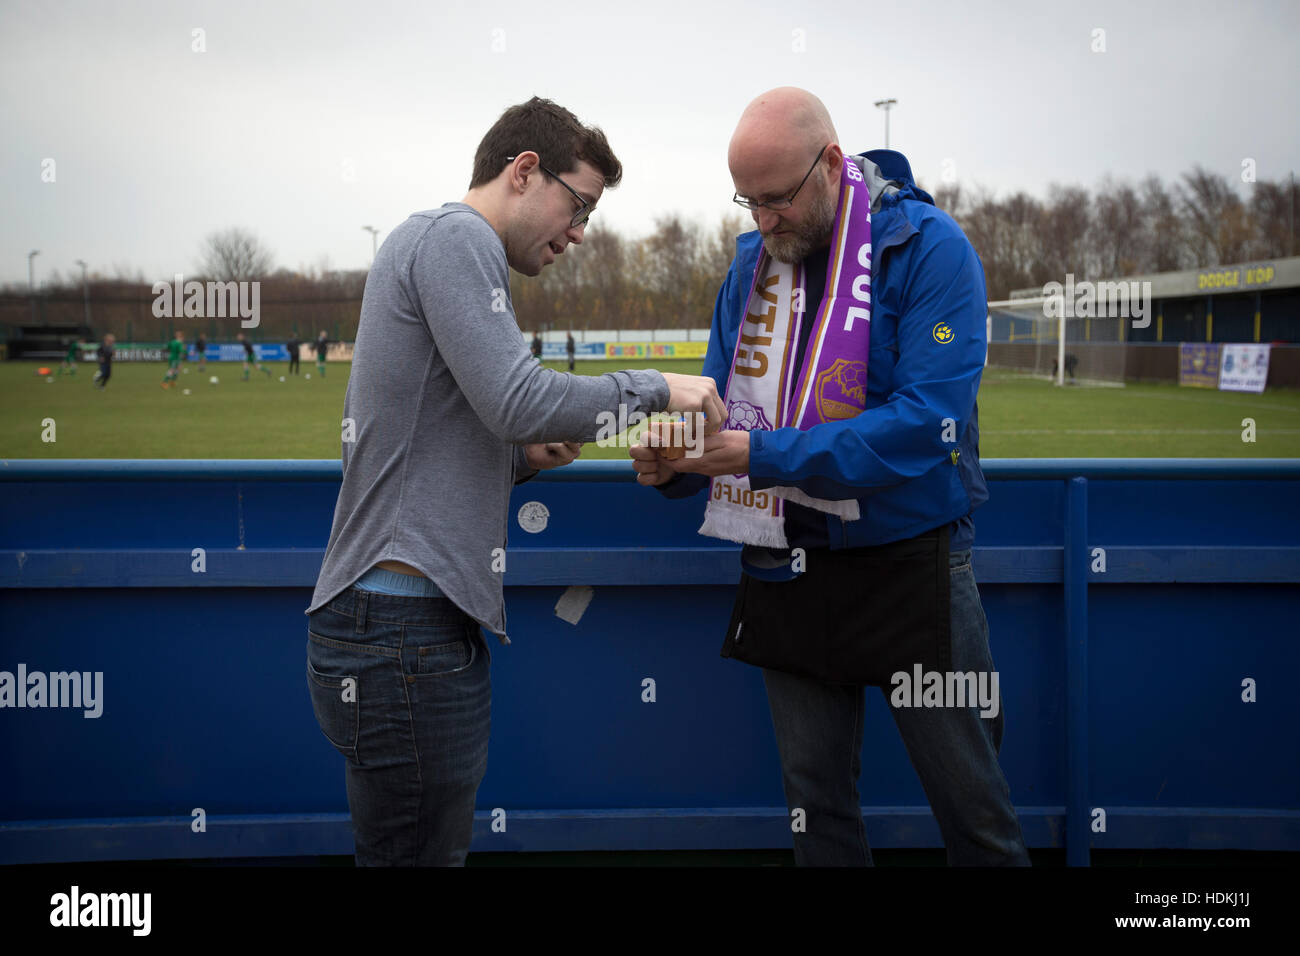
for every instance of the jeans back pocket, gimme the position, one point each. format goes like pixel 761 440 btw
pixel 334 701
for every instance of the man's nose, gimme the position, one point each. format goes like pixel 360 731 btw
pixel 575 233
pixel 766 219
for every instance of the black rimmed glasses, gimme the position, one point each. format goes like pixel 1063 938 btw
pixel 786 203
pixel 585 209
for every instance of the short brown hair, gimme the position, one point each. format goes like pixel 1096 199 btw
pixel 550 131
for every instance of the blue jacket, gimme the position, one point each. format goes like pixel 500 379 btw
pixel 927 351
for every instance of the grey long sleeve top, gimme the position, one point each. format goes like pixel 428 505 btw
pixel 443 395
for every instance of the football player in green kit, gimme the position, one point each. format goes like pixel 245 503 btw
pixel 175 349
pixel 322 345
pixel 70 360
pixel 250 358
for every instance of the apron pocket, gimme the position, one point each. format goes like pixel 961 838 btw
pixel 856 616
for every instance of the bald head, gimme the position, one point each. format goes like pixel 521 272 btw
pixel 778 135
pixel 786 119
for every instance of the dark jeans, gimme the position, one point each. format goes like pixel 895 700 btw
pixel 953 750
pixel 293 364
pixel 105 373
pixel 401 688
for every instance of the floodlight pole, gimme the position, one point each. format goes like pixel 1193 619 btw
pixel 31 281
pixel 886 105
pixel 374 242
pixel 85 290
pixel 1060 340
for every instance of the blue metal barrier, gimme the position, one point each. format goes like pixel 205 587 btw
pixel 1132 606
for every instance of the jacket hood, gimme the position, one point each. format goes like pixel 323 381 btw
pixel 888 173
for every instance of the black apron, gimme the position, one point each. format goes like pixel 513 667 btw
pixel 854 616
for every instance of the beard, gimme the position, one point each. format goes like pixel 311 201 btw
pixel 813 233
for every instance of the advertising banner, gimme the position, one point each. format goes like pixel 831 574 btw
pixel 216 352
pixel 1198 365
pixel 555 351
pixel 653 350
pixel 234 352
pixel 1243 368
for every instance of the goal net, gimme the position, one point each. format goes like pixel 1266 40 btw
pixel 1033 337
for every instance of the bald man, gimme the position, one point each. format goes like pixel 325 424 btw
pixel 849 340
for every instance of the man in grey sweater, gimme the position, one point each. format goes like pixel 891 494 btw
pixel 445 411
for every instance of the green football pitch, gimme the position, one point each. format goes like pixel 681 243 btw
pixel 301 418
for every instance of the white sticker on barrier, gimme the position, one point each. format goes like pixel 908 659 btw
pixel 573 603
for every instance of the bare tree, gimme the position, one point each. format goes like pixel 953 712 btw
pixel 1062 234
pixel 234 255
pixel 673 249
pixel 1270 206
pixel 1216 217
pixel 718 250
pixel 609 304
pixel 713 251
pixel 122 272
pixel 948 197
pixel 1006 235
pixel 1116 244
pixel 1166 232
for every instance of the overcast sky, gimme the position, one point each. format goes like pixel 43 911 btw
pixel 305 121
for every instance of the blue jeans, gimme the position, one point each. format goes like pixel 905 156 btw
pixel 953 750
pixel 401 688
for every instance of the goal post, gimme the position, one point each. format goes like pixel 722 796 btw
pixel 1035 336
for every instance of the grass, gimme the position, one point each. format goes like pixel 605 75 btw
pixel 300 418
pixel 1030 418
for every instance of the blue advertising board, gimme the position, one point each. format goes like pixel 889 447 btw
pixel 234 352
pixel 555 351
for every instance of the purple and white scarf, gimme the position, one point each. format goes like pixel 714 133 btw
pixel 767 392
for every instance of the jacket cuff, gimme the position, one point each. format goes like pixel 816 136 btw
pixel 760 473
pixel 683 485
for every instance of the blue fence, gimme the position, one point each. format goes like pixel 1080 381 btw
pixel 1142 619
